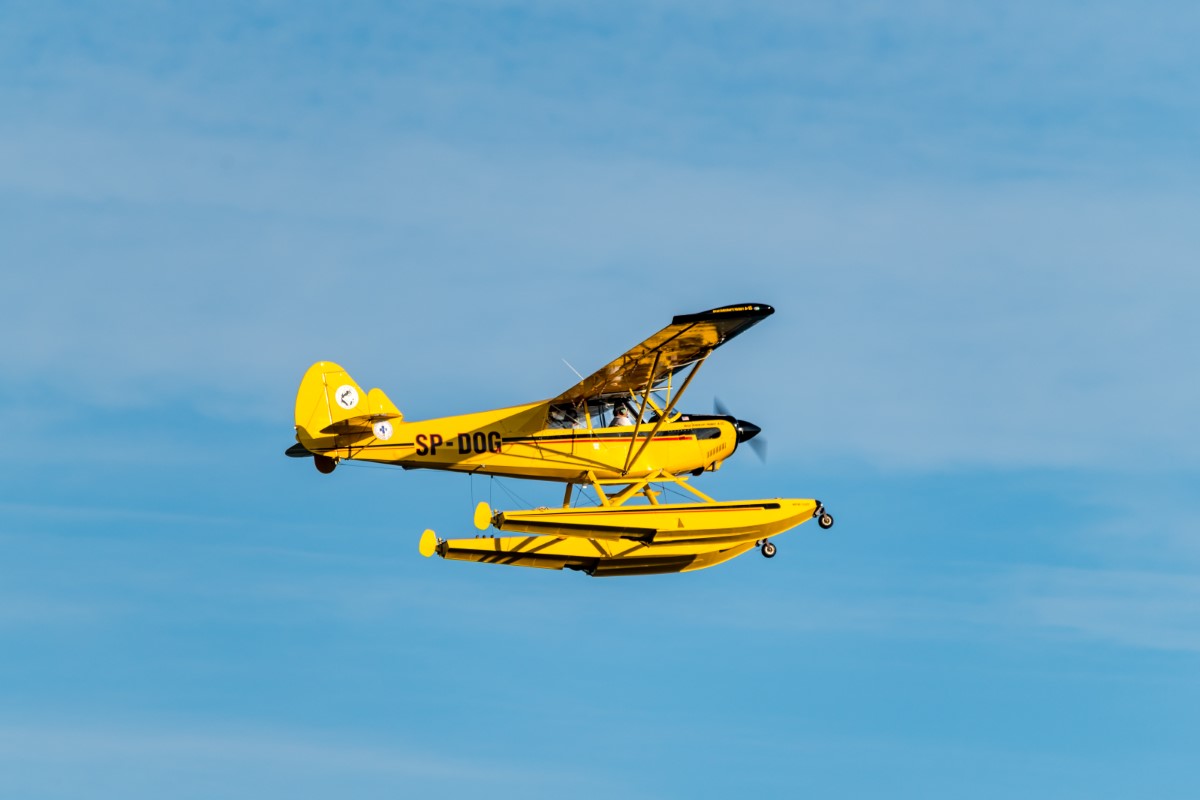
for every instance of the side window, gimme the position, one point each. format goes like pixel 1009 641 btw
pixel 566 417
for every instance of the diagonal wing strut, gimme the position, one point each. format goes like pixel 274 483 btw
pixel 662 418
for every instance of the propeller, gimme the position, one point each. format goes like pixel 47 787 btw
pixel 746 431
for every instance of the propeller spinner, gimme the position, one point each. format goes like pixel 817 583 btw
pixel 746 431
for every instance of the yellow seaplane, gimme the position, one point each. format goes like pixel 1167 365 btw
pixel 619 431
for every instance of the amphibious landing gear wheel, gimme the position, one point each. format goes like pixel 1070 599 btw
pixel 768 550
pixel 824 518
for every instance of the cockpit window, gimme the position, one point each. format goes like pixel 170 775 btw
pixel 600 414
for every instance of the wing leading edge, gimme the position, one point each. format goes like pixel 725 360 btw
pixel 686 340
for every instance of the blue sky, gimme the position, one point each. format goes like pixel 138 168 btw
pixel 977 226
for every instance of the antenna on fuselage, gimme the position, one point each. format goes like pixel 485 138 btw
pixel 568 363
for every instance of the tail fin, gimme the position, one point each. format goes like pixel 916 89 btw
pixel 329 403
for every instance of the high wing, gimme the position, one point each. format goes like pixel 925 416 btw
pixel 689 338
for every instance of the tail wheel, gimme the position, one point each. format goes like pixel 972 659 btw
pixel 768 550
pixel 825 521
pixel 324 464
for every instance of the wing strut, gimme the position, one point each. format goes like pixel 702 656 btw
pixel 662 418
pixel 641 485
pixel 641 410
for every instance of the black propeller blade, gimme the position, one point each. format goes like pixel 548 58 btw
pixel 759 446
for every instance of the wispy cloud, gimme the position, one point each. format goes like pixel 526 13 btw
pixel 1127 608
pixel 149 759
pixel 48 608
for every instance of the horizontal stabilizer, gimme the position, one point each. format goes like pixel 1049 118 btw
pixel 378 409
pixel 381 407
pixel 363 424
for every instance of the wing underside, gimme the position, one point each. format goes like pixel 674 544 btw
pixel 689 338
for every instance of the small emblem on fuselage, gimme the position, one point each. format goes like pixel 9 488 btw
pixel 383 430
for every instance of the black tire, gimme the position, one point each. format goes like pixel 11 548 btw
pixel 825 521
pixel 769 550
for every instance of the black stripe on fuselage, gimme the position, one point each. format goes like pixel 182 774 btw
pixel 583 434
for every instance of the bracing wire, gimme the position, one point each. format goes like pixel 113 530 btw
pixel 365 464
pixel 512 495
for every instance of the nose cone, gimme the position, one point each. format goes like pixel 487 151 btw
pixel 746 431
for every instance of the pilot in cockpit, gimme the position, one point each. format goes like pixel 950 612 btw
pixel 621 417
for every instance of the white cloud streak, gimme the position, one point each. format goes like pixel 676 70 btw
pixel 1122 607
pixel 194 760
